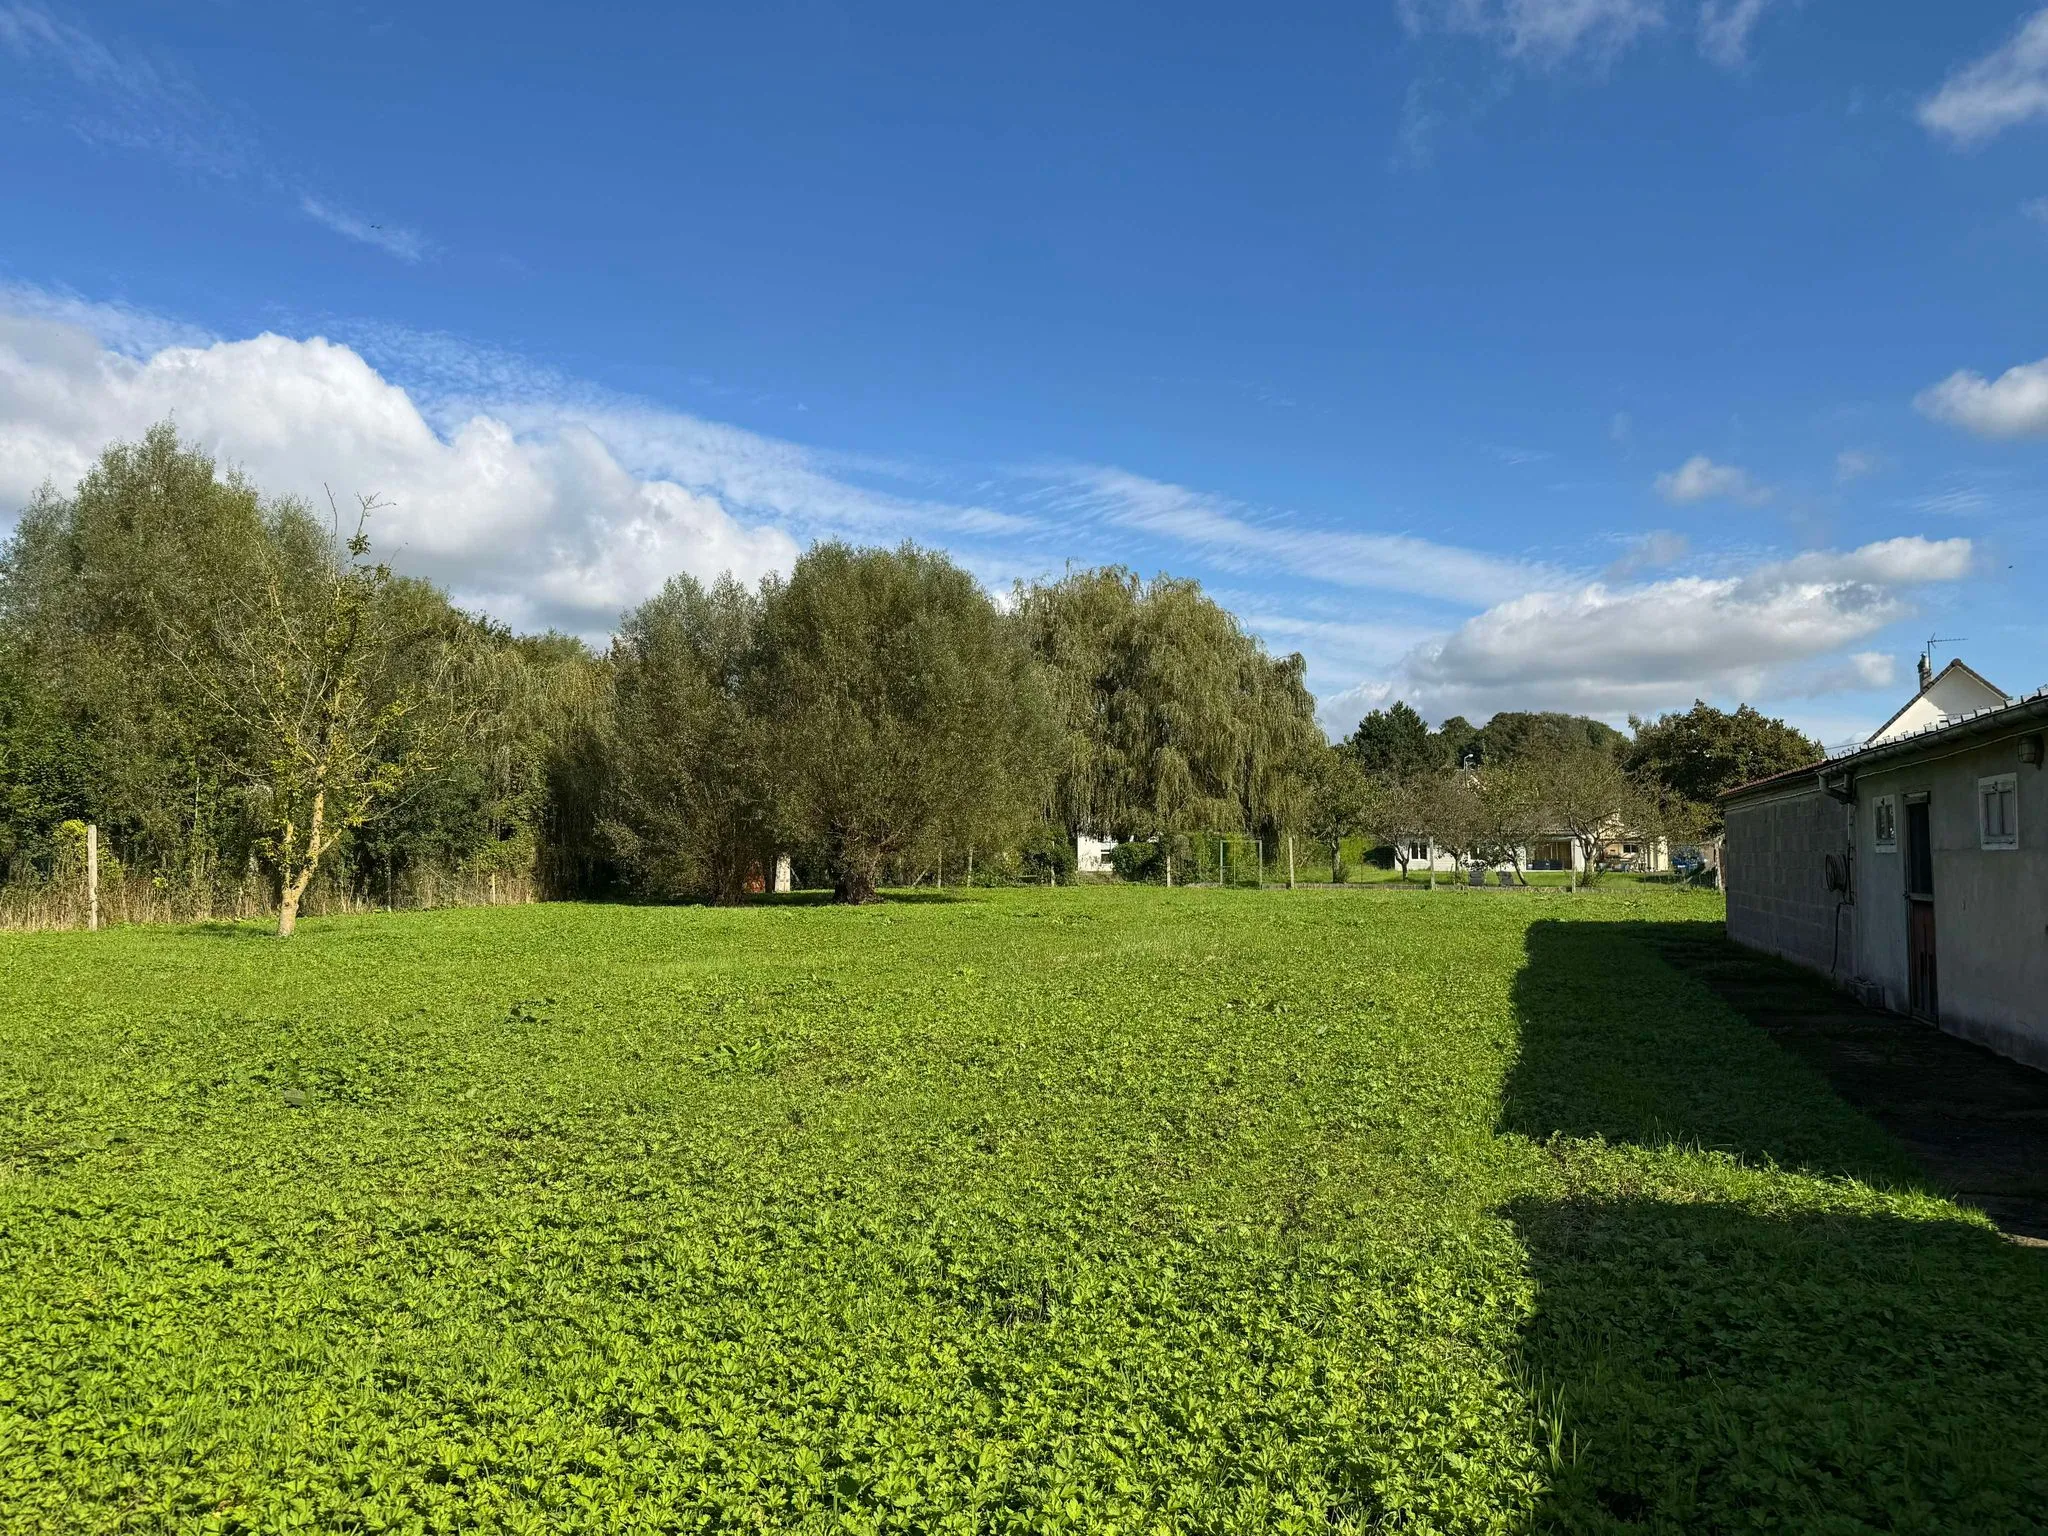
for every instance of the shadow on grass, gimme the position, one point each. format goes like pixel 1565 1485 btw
pixel 1615 1043
pixel 1703 1367
pixel 1800 1361
pixel 885 898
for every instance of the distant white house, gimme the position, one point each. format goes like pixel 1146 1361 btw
pixel 1558 850
pixel 1091 854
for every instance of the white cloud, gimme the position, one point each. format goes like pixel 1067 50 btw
pixel 1610 650
pixel 1854 463
pixel 2015 404
pixel 1236 537
pixel 405 244
pixel 1725 26
pixel 541 523
pixel 1541 31
pixel 2005 88
pixel 2037 210
pixel 1699 478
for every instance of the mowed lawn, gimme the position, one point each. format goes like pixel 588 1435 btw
pixel 1077 1210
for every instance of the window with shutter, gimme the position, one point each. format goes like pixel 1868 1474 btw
pixel 1998 822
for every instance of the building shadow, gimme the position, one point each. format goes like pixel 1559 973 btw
pixel 1704 1367
pixel 1617 1043
pixel 1706 1358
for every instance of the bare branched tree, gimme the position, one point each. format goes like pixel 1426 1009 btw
pixel 338 710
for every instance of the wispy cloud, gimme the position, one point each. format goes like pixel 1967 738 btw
pixel 1540 32
pixel 1853 464
pixel 1651 551
pixel 1699 478
pixel 1240 537
pixel 1725 26
pixel 396 239
pixel 128 98
pixel 2005 88
pixel 122 97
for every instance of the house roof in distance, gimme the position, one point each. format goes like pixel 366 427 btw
pixel 1956 691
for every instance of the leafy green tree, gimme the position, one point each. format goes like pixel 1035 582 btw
pixel 1514 734
pixel 1393 743
pixel 1456 741
pixel 901 707
pixel 1691 759
pixel 1507 811
pixel 1174 720
pixel 1587 794
pixel 1447 811
pixel 151 536
pixel 1341 805
pixel 340 697
pixel 691 812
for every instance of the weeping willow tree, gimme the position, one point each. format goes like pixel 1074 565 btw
pixel 1175 720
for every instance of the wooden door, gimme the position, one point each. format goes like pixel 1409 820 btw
pixel 1922 994
pixel 1924 999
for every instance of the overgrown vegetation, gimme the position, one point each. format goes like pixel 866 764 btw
pixel 1066 1210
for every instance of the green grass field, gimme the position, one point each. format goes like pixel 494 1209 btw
pixel 1078 1210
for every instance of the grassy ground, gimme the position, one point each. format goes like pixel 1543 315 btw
pixel 1099 1209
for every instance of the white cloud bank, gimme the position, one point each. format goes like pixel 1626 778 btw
pixel 1779 631
pixel 1699 478
pixel 540 522
pixel 2015 404
pixel 2005 88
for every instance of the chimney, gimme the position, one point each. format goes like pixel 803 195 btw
pixel 1926 671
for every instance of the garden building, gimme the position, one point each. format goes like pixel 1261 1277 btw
pixel 1913 870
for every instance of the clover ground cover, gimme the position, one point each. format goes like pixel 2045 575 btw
pixel 1107 1209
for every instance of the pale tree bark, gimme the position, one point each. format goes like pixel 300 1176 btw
pixel 296 881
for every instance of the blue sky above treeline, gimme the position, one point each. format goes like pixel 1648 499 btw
pixel 1583 354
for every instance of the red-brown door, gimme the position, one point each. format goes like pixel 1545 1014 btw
pixel 1922 996
pixel 1924 999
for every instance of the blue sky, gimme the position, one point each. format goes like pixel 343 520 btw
pixel 1592 354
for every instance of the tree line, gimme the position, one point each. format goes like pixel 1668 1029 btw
pixel 246 702
pixel 1484 794
pixel 242 698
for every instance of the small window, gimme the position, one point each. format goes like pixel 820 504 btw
pixel 1418 850
pixel 1998 811
pixel 1884 817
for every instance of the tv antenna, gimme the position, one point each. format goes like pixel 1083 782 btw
pixel 1934 640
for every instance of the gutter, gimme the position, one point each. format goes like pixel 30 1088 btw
pixel 2015 719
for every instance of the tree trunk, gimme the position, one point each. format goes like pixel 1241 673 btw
pixel 853 884
pixel 295 888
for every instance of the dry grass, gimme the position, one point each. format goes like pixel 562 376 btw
pixel 60 904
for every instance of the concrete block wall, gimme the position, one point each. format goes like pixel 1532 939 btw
pixel 1775 874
